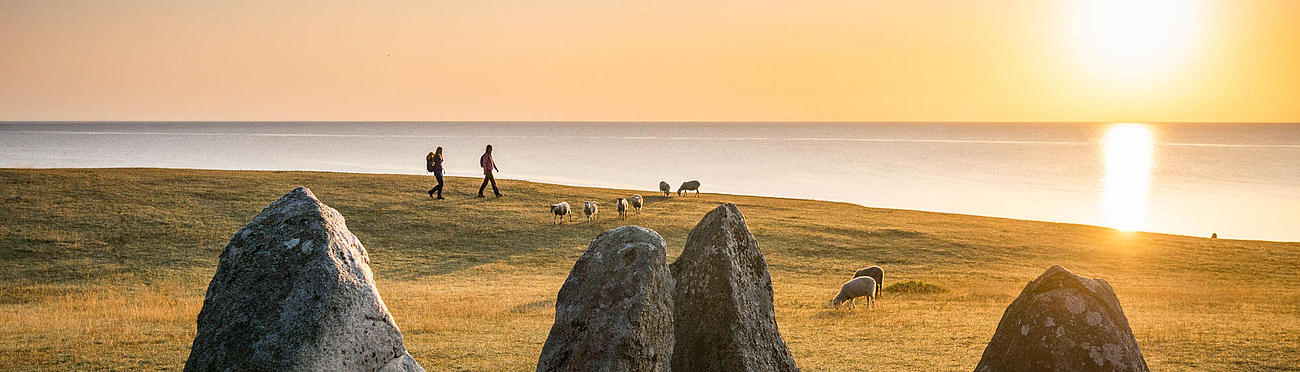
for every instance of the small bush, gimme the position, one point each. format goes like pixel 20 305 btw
pixel 915 287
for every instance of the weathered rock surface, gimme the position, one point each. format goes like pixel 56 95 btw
pixel 723 301
pixel 615 310
pixel 293 292
pixel 1063 322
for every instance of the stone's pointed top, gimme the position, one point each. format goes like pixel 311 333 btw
pixel 302 190
pixel 630 234
pixel 1059 277
pixel 297 195
pixel 724 211
pixel 294 199
pixel 1064 322
pixel 722 224
pixel 1056 270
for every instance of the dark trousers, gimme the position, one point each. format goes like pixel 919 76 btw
pixel 487 177
pixel 437 173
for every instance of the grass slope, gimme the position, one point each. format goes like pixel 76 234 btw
pixel 106 269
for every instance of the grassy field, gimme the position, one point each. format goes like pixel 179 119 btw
pixel 106 269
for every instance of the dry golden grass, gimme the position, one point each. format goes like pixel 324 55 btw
pixel 105 269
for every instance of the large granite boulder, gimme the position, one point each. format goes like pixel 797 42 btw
pixel 615 310
pixel 293 292
pixel 1063 322
pixel 723 302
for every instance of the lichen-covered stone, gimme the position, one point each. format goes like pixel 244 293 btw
pixel 293 292
pixel 1063 322
pixel 723 303
pixel 615 310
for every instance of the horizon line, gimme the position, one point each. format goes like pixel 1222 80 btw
pixel 644 122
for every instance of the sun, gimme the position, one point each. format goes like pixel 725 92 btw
pixel 1135 38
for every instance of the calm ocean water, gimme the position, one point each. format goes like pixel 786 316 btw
pixel 1237 180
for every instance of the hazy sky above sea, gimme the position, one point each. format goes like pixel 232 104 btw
pixel 1098 60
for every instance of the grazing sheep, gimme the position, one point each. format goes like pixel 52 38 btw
pixel 665 188
pixel 590 209
pixel 688 186
pixel 857 287
pixel 560 210
pixel 636 203
pixel 622 207
pixel 875 272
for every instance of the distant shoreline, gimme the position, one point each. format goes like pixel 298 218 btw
pixel 475 181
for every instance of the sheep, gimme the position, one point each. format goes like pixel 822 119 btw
pixel 636 203
pixel 590 209
pixel 875 272
pixel 857 287
pixel 665 188
pixel 622 207
pixel 560 210
pixel 688 186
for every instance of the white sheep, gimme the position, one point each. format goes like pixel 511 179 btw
pixel 636 203
pixel 590 209
pixel 689 186
pixel 863 286
pixel 560 210
pixel 622 207
pixel 665 188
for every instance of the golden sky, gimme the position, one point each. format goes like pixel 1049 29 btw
pixel 1031 60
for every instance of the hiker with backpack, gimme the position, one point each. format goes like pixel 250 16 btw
pixel 433 163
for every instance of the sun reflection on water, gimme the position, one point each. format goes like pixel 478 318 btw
pixel 1127 150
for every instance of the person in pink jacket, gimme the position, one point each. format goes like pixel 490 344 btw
pixel 488 166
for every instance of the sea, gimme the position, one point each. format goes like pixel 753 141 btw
pixel 1239 181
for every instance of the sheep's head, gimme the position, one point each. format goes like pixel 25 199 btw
pixel 834 302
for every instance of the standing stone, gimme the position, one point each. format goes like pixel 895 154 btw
pixel 723 313
pixel 1063 322
pixel 293 292
pixel 615 311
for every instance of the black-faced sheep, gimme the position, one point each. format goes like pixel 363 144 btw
pixel 590 209
pixel 636 203
pixel 622 207
pixel 689 186
pixel 857 287
pixel 560 210
pixel 875 272
pixel 665 188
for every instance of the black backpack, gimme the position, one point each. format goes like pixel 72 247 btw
pixel 428 163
